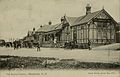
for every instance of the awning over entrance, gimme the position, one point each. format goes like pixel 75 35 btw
pixel 52 32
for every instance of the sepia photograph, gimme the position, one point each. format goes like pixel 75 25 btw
pixel 63 38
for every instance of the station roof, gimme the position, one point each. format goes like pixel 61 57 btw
pixel 46 28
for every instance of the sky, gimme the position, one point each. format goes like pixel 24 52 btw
pixel 17 17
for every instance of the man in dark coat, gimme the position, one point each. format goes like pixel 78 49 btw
pixel 89 45
pixel 38 47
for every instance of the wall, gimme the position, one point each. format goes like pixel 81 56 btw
pixel 102 32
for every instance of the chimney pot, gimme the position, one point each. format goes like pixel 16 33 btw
pixel 88 9
pixel 40 26
pixel 49 22
pixel 33 29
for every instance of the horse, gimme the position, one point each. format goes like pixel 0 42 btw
pixel 17 44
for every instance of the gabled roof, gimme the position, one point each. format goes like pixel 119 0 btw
pixel 85 18
pixel 71 20
pixel 82 19
pixel 46 28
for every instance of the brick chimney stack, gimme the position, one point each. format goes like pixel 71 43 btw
pixel 88 9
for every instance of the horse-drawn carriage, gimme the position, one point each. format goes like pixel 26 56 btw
pixel 2 42
pixel 70 45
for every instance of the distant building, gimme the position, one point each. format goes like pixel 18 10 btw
pixel 47 33
pixel 98 28
pixel 30 36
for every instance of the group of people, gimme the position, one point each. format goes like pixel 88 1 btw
pixel 71 45
pixel 40 44
pixel 17 44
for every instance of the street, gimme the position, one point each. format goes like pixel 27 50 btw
pixel 83 55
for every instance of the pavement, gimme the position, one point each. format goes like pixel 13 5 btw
pixel 113 46
pixel 83 55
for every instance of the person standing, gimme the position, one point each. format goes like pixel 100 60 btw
pixel 38 47
pixel 55 42
pixel 89 45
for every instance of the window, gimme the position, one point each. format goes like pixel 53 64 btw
pixel 47 38
pixel 102 25
pixel 75 34
pixel 99 24
pixel 82 27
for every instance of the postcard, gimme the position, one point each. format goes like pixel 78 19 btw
pixel 59 38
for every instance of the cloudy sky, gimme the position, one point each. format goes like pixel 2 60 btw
pixel 19 16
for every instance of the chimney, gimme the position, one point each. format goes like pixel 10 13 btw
pixel 49 22
pixel 40 26
pixel 33 29
pixel 62 19
pixel 88 9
